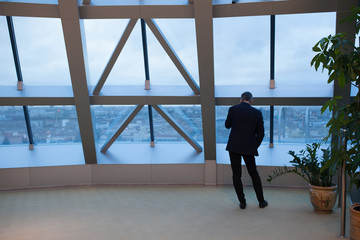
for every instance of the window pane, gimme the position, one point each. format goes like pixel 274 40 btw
pixel 12 126
pixel 293 46
pixel 297 124
pixel 42 51
pixel 188 117
pixel 242 50
pixel 222 134
pixel 108 119
pixel 180 33
pixel 54 124
pixel 7 66
pixel 102 36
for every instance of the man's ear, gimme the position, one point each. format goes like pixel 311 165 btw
pixel 251 102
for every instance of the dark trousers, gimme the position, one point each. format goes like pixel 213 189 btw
pixel 235 160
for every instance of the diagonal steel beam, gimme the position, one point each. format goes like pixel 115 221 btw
pixel 124 124
pixel 115 55
pixel 177 127
pixel 172 54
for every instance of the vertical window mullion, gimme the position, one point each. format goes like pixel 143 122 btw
pixel 147 78
pixel 272 75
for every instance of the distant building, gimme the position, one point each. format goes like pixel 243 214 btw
pixel 13 138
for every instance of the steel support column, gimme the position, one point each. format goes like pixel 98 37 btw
pixel 19 77
pixel 272 75
pixel 147 78
pixel 271 126
pixel 75 44
pixel 204 37
pixel 15 52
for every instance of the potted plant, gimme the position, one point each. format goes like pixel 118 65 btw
pixel 339 55
pixel 307 164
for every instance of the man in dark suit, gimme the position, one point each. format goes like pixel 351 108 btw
pixel 247 133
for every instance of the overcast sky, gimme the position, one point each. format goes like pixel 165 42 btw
pixel 241 50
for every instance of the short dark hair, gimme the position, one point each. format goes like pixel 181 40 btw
pixel 246 96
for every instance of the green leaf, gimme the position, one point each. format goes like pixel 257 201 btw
pixel 332 77
pixel 314 59
pixel 341 79
pixel 317 64
pixel 316 49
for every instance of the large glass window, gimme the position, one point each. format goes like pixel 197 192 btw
pixel 54 124
pixel 7 66
pixel 102 37
pixel 12 126
pixel 222 134
pixel 300 124
pixel 108 120
pixel 242 50
pixel 294 127
pixel 293 48
pixel 188 118
pixel 180 34
pixel 42 51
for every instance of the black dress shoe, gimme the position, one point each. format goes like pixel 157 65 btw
pixel 263 204
pixel 242 205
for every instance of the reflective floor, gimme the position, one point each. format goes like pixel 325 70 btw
pixel 161 213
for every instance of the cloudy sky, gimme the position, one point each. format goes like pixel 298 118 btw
pixel 241 50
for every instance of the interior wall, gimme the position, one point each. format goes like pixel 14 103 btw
pixel 129 174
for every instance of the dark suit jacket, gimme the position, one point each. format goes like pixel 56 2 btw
pixel 247 129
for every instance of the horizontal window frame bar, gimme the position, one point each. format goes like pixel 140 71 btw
pixel 171 11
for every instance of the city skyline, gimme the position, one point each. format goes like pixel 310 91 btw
pixel 58 124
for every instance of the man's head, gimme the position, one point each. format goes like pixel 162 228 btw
pixel 247 97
